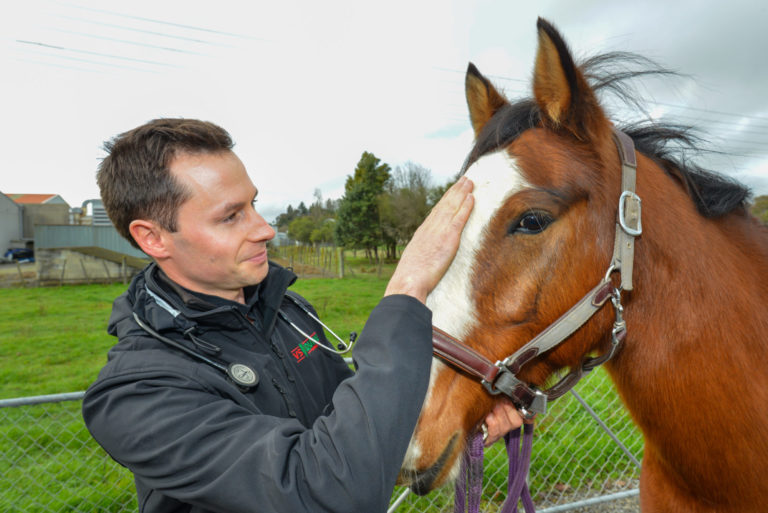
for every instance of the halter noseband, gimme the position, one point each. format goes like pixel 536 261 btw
pixel 501 377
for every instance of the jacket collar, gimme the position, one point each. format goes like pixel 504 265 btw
pixel 154 294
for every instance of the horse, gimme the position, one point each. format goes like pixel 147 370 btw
pixel 691 369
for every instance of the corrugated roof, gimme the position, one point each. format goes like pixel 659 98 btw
pixel 31 198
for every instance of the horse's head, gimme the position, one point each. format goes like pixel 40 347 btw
pixel 547 179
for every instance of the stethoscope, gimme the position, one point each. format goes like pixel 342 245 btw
pixel 342 346
pixel 243 375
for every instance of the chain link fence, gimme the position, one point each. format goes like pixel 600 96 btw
pixel 49 462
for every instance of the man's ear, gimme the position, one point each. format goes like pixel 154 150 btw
pixel 150 237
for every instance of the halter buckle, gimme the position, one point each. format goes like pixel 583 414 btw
pixel 630 203
pixel 527 399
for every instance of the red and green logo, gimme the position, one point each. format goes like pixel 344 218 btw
pixel 304 348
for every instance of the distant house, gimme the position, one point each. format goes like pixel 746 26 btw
pixel 38 199
pixel 281 238
pixel 40 209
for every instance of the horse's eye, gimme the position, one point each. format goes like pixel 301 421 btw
pixel 532 223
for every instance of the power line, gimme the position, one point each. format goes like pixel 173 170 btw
pixel 162 22
pixel 97 54
pixel 149 32
pixel 53 64
pixel 99 63
pixel 125 41
pixel 722 113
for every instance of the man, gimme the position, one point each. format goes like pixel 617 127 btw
pixel 201 398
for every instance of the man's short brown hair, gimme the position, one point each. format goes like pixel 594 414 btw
pixel 135 180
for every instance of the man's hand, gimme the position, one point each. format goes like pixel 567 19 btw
pixel 432 248
pixel 503 418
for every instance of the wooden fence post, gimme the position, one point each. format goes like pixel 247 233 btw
pixel 21 275
pixel 85 273
pixel 63 269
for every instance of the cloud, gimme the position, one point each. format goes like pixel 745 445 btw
pixel 306 87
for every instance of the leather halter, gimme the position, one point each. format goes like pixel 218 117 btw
pixel 501 377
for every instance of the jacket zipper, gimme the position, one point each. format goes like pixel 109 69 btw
pixel 281 357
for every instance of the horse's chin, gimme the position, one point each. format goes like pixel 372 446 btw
pixel 443 470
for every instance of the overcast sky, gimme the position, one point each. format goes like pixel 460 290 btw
pixel 305 87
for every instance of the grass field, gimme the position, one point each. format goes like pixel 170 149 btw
pixel 53 340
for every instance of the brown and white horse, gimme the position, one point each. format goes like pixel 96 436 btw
pixel 693 370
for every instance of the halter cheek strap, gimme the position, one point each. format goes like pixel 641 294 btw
pixel 628 223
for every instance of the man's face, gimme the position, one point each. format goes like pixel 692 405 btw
pixel 220 245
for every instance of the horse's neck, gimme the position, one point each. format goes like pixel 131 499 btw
pixel 703 284
pixel 697 340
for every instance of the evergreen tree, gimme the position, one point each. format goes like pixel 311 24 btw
pixel 358 222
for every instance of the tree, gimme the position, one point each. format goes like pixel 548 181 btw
pixel 358 222
pixel 759 209
pixel 405 204
pixel 284 220
pixel 437 192
pixel 323 234
pixel 300 229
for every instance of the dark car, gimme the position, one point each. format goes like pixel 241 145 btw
pixel 20 255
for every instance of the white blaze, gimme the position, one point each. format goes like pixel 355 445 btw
pixel 496 177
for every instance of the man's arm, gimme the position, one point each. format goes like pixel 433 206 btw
pixel 194 442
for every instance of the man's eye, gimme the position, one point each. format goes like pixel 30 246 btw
pixel 231 217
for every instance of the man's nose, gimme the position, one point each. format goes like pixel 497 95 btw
pixel 260 230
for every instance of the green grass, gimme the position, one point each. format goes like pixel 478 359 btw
pixel 54 340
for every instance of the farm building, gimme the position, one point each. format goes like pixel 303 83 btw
pixel 40 209
pixel 11 219
pixel 70 244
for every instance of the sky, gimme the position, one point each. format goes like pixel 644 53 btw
pixel 306 87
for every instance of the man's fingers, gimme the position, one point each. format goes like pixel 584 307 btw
pixel 501 420
pixel 453 199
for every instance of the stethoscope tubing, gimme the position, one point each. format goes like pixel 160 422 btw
pixel 240 373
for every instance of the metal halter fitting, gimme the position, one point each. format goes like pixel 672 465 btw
pixel 501 377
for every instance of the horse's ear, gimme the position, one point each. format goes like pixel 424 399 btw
pixel 562 93
pixel 482 98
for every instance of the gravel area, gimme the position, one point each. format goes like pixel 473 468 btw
pixel 621 504
pixel 626 505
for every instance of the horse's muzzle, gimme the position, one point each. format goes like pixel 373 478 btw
pixel 424 481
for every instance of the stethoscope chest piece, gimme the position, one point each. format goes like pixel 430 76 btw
pixel 243 375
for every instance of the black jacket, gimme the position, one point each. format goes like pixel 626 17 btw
pixel 311 436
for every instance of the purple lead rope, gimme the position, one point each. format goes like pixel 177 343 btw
pixel 470 478
pixel 469 486
pixel 519 463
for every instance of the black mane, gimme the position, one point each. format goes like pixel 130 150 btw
pixel 666 143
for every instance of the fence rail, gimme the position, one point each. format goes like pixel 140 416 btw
pixel 49 462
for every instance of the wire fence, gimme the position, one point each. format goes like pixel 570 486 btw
pixel 49 462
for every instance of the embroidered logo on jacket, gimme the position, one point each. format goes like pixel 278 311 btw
pixel 304 348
